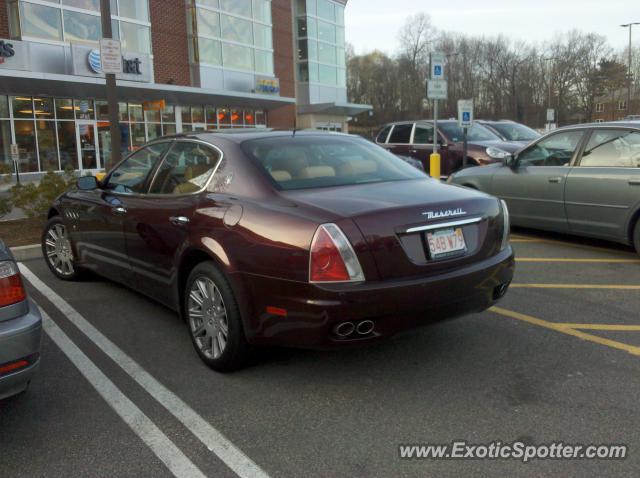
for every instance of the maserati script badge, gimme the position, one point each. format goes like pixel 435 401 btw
pixel 445 213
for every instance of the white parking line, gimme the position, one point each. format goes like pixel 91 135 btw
pixel 215 441
pixel 141 425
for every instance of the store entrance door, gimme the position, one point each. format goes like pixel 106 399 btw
pixel 87 140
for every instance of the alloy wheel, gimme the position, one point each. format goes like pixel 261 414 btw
pixel 58 250
pixel 208 319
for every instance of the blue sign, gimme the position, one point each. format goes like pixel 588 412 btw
pixel 466 116
pixel 437 70
pixel 94 60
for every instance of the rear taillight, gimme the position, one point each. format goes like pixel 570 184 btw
pixel 11 289
pixel 332 259
pixel 506 225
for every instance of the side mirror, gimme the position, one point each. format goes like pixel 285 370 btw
pixel 510 161
pixel 87 183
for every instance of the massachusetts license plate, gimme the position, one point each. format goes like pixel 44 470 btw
pixel 446 243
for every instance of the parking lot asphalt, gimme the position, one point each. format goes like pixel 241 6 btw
pixel 557 359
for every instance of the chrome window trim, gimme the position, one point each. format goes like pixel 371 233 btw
pixel 430 227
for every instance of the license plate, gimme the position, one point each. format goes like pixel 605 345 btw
pixel 446 243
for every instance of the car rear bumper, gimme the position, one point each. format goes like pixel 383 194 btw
pixel 313 311
pixel 20 339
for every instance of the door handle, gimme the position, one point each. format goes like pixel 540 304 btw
pixel 119 210
pixel 413 151
pixel 555 180
pixel 179 220
pixel 634 182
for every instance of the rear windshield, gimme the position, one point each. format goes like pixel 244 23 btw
pixel 303 162
pixel 475 133
pixel 515 131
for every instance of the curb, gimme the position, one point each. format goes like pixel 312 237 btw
pixel 25 253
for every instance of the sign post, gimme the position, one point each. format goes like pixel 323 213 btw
pixel 111 50
pixel 436 90
pixel 15 157
pixel 465 121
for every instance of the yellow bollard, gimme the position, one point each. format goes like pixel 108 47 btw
pixel 434 166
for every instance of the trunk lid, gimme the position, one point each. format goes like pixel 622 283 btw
pixel 391 216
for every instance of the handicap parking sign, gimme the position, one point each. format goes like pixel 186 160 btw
pixel 466 116
pixel 437 70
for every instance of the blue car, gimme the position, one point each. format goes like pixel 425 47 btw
pixel 20 329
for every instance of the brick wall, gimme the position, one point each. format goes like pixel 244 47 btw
pixel 4 19
pixel 282 15
pixel 169 41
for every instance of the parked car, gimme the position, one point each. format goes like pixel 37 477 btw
pixel 511 131
pixel 415 139
pixel 582 179
pixel 20 329
pixel 301 239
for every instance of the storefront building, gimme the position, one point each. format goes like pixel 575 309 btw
pixel 188 66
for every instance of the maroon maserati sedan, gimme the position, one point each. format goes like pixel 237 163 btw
pixel 302 239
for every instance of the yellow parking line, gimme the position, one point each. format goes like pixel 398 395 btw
pixel 525 240
pixel 566 330
pixel 576 286
pixel 630 328
pixel 562 259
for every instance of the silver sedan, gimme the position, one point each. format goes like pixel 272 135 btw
pixel 582 180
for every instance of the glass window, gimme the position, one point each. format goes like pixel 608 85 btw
pixel 26 141
pixel 67 145
pixel 154 130
pixel 239 7
pixel 135 112
pixel 136 9
pixel 340 36
pixel 515 131
pixel 210 3
pixel 249 118
pixel 326 32
pixel 339 14
pixel 41 22
pixel 81 27
pixel 262 10
pixel 261 118
pixel 208 23
pixel 223 116
pixel 236 56
pixel 132 173
pixel 236 118
pixel 236 29
pixel 382 136
pixel 22 106
pixel 186 114
pixel 303 72
pixel 209 51
pixel 168 129
pixel 401 134
pixel 123 112
pixel 135 37
pixel 197 114
pixel 327 74
pixel 327 10
pixel 186 169
pixel 264 62
pixel 102 110
pixel 423 135
pixel 321 161
pixel 85 4
pixel 262 35
pixel 4 107
pixel 84 109
pixel 5 143
pixel 613 149
pixel 476 133
pixel 47 145
pixel 137 136
pixel 210 112
pixel 64 108
pixel 152 115
pixel 342 77
pixel 556 150
pixel 168 114
pixel 43 108
pixel 326 53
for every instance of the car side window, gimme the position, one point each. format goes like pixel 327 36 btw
pixel 423 135
pixel 382 136
pixel 131 175
pixel 401 134
pixel 612 148
pixel 185 169
pixel 556 150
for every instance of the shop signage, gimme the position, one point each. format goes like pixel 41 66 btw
pixel 14 55
pixel 111 56
pixel 154 105
pixel 88 62
pixel 267 85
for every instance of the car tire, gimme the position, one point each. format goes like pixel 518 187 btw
pixel 636 236
pixel 57 250
pixel 213 319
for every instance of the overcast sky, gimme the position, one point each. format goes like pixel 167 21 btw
pixel 374 24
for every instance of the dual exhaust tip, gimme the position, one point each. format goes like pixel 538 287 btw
pixel 346 329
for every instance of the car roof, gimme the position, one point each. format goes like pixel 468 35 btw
pixel 241 135
pixel 608 124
